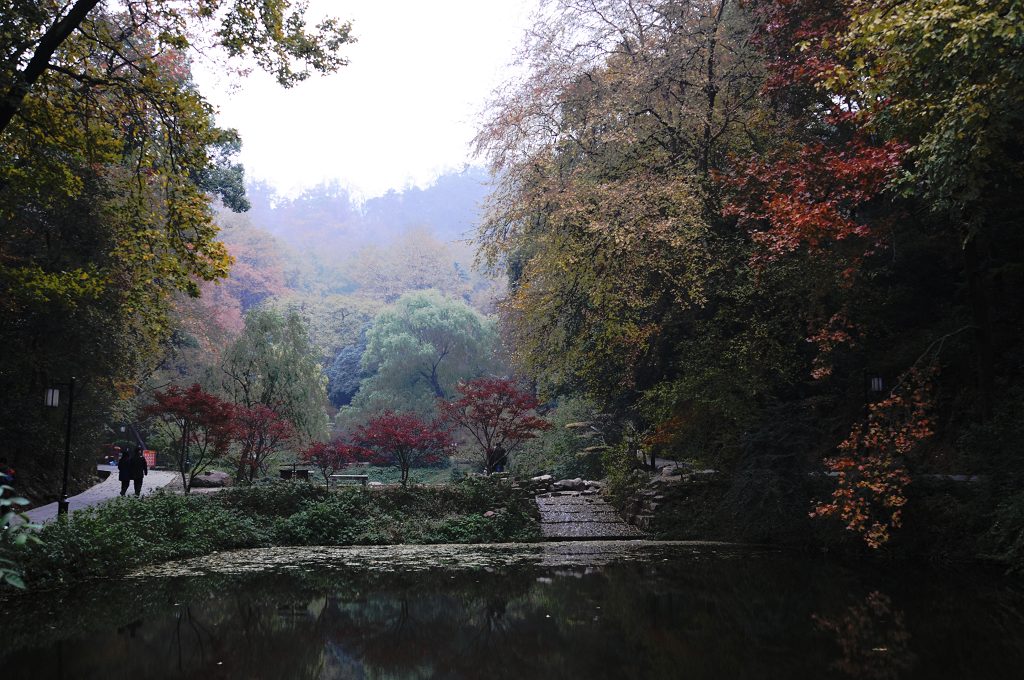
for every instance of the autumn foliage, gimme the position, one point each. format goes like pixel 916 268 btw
pixel 814 198
pixel 403 440
pixel 497 415
pixel 261 432
pixel 330 457
pixel 871 469
pixel 201 424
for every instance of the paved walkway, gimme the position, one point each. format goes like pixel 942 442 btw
pixel 104 491
pixel 581 515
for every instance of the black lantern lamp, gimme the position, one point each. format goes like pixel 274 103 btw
pixel 52 399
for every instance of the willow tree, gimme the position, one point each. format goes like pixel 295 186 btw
pixel 274 364
pixel 419 348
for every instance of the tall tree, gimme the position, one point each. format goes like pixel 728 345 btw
pixel 604 154
pixel 273 33
pixel 273 363
pixel 418 348
pixel 261 434
pixel 329 457
pixel 108 157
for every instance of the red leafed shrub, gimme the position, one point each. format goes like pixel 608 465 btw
pixel 330 457
pixel 497 415
pixel 201 425
pixel 403 440
pixel 261 433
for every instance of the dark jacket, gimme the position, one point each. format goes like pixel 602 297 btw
pixel 124 469
pixel 138 468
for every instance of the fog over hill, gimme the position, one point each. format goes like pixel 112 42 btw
pixel 327 219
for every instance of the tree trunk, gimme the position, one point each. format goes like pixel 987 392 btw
pixel 40 61
pixel 711 90
pixel 183 458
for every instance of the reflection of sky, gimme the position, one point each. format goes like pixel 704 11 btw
pixel 402 111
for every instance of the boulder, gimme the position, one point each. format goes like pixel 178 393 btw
pixel 570 484
pixel 212 479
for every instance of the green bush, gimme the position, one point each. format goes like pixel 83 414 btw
pixel 623 479
pixel 112 538
pixel 115 537
pixel 560 450
pixel 274 498
pixel 335 520
pixel 12 536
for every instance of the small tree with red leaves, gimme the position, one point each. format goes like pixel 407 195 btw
pixel 201 426
pixel 261 433
pixel 497 415
pixel 329 457
pixel 403 440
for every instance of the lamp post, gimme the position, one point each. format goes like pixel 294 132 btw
pixel 53 400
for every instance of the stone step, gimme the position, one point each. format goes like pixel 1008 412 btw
pixel 589 530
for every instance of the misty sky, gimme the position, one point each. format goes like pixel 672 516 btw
pixel 402 112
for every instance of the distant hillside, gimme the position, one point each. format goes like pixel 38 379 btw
pixel 327 222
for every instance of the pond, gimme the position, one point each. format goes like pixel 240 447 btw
pixel 555 610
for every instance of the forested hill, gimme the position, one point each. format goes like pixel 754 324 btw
pixel 328 218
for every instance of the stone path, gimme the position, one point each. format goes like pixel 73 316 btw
pixel 104 491
pixel 581 515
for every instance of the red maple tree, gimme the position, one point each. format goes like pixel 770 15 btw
pixel 497 415
pixel 826 192
pixel 261 432
pixel 202 427
pixel 403 440
pixel 329 457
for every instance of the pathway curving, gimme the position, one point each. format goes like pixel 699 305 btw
pixel 100 493
pixel 581 515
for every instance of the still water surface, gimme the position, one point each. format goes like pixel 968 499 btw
pixel 575 610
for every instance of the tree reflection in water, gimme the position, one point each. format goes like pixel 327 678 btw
pixel 694 616
pixel 873 639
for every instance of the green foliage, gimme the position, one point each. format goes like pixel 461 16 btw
pixel 109 158
pixel 12 536
pixel 345 373
pixel 623 478
pixel 560 450
pixel 110 539
pixel 273 363
pixel 338 519
pixel 948 75
pixel 113 538
pixel 417 350
pixel 276 498
pixel 417 514
pixel 1005 539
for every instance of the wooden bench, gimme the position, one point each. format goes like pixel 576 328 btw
pixel 362 479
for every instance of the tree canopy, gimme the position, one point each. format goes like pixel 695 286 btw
pixel 418 348
pixel 273 364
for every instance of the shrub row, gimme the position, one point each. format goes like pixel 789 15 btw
pixel 115 537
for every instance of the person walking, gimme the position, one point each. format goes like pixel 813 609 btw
pixel 138 468
pixel 124 472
